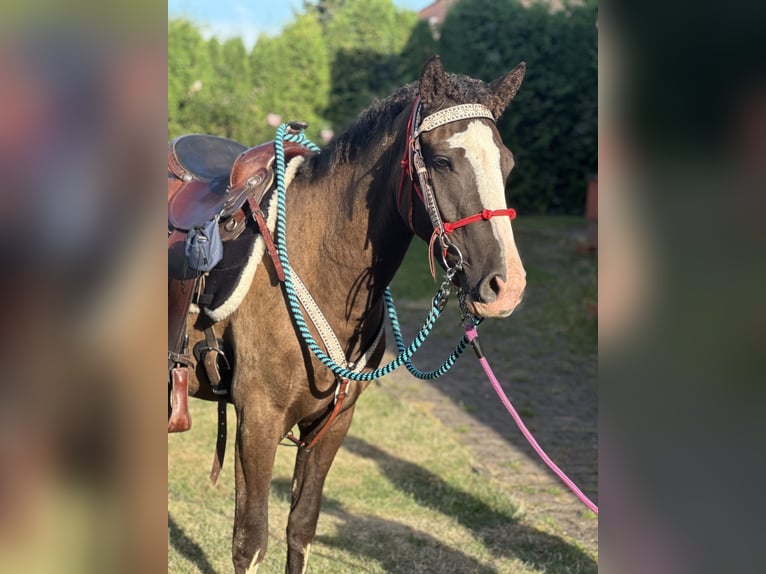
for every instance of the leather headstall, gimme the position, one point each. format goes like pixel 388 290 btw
pixel 414 166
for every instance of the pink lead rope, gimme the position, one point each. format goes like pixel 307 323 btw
pixel 472 335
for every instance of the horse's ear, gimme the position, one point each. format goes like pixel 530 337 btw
pixel 505 88
pixel 432 83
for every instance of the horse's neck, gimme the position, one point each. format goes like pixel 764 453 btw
pixel 348 236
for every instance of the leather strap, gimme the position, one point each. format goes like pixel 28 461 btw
pixel 180 292
pixel 323 327
pixel 220 443
pixel 339 398
pixel 210 355
pixel 413 162
pixel 267 238
pixel 426 189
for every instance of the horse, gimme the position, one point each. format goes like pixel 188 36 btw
pixel 352 212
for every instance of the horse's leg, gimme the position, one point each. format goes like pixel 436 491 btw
pixel 311 467
pixel 256 447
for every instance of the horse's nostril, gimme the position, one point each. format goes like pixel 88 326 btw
pixel 489 289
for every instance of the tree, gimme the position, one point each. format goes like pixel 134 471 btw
pixel 189 77
pixel 291 74
pixel 365 39
pixel 323 9
pixel 420 46
pixel 232 107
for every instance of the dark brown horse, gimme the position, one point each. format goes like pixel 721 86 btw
pixel 351 214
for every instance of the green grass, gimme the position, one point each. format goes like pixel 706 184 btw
pixel 413 281
pixel 402 497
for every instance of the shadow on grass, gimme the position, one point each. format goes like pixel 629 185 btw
pixel 398 548
pixel 500 533
pixel 189 548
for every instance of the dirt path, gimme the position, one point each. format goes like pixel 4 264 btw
pixel 545 357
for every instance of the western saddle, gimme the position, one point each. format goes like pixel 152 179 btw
pixel 209 178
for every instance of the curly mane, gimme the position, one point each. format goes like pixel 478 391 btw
pixel 377 118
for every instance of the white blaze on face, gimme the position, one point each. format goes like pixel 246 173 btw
pixel 481 151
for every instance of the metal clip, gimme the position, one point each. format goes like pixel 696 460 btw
pixel 297 127
pixel 446 245
pixel 442 295
pixel 466 317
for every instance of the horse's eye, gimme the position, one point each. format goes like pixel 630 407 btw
pixel 441 162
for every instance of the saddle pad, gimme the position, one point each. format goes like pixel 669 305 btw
pixel 224 279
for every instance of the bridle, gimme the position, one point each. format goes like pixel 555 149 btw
pixel 413 165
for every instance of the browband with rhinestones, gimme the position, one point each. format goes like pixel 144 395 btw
pixel 453 114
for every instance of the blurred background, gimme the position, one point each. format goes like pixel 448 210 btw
pixel 82 148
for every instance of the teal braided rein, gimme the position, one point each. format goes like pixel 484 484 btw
pixel 396 328
pixel 405 353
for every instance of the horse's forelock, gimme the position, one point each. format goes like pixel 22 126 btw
pixel 465 90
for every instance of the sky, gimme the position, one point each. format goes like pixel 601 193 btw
pixel 227 18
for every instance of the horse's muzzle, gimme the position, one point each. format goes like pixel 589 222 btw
pixel 495 297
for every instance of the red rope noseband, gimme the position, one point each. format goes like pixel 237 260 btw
pixel 485 215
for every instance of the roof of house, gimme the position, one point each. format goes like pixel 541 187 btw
pixel 434 13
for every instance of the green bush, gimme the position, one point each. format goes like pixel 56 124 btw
pixel 551 126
